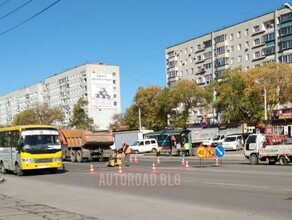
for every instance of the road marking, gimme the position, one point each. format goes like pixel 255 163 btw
pixel 237 185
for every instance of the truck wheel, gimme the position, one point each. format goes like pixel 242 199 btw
pixel 136 152
pixel 283 160
pixel 18 171
pixel 2 168
pixel 253 159
pixel 79 156
pixel 73 155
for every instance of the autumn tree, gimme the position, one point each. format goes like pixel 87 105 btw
pixel 276 78
pixel 40 114
pixel 118 122
pixel 80 119
pixel 153 103
pixel 183 97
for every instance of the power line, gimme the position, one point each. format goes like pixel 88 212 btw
pixel 10 29
pixel 4 3
pixel 15 9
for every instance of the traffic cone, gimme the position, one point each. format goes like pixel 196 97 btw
pixel 120 173
pixel 136 160
pixel 183 161
pixel 187 165
pixel 131 160
pixel 153 168
pixel 158 160
pixel 91 168
pixel 217 162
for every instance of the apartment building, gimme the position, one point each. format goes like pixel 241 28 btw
pixel 245 45
pixel 97 83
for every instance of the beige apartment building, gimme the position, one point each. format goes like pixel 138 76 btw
pixel 245 45
pixel 97 83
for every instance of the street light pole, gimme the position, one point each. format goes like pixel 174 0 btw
pixel 140 124
pixel 265 99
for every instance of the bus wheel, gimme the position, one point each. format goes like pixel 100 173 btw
pixel 73 155
pixel 18 171
pixel 79 156
pixel 2 168
pixel 253 159
pixel 283 160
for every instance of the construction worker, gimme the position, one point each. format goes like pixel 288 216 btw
pixel 127 152
pixel 186 148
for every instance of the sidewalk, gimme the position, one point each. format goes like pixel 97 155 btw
pixel 15 209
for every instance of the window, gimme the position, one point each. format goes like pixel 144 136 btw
pixel 238 34
pixel 220 50
pixel 247 57
pixel 232 60
pixel 257 54
pixel 286 58
pixel 232 48
pixel 207 43
pixel 219 38
pixel 199 47
pixel 257 41
pixel 246 32
pixel 191 49
pixel 256 28
pixel 239 47
pixel 239 59
pixel 231 37
pixel 208 65
pixel 208 54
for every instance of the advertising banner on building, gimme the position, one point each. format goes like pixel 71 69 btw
pixel 102 90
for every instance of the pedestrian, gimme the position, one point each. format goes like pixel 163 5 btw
pixel 178 148
pixel 186 149
pixel 127 152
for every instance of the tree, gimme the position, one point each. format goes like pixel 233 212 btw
pixel 234 105
pixel 276 78
pixel 40 114
pixel 183 97
pixel 118 122
pixel 25 117
pixel 153 103
pixel 80 119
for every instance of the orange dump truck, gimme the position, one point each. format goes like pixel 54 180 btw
pixel 80 145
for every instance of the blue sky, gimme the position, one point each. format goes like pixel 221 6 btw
pixel 130 33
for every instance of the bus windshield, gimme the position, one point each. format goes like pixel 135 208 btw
pixel 44 141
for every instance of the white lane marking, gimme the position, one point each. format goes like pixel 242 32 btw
pixel 237 185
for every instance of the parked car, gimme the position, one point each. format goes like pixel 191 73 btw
pixel 244 135
pixel 233 142
pixel 144 146
pixel 214 141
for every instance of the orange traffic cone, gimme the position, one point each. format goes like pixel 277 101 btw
pixel 120 173
pixel 183 161
pixel 153 168
pixel 136 160
pixel 91 168
pixel 187 165
pixel 217 162
pixel 158 160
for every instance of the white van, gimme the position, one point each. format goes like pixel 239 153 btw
pixel 144 146
pixel 233 142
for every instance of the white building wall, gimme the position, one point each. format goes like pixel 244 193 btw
pixel 63 90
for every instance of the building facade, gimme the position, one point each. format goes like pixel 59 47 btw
pixel 97 83
pixel 244 45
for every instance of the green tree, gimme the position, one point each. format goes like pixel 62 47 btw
pixel 183 97
pixel 153 103
pixel 80 119
pixel 40 114
pixel 25 117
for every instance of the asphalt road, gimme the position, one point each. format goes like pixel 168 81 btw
pixel 234 190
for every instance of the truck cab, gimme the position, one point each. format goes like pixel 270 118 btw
pixel 269 148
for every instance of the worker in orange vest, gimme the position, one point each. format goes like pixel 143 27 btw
pixel 127 152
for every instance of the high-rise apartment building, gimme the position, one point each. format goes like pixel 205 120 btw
pixel 99 84
pixel 244 45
